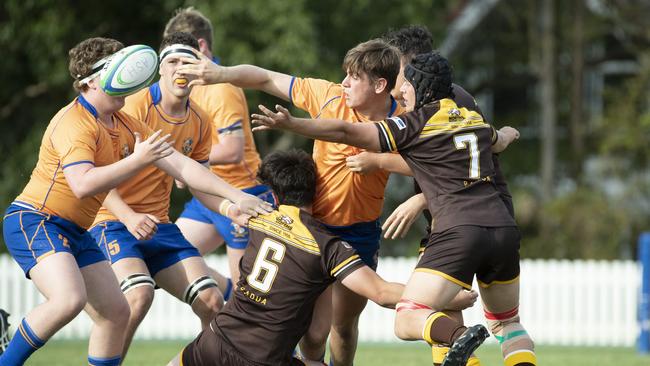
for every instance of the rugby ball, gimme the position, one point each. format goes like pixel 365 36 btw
pixel 129 70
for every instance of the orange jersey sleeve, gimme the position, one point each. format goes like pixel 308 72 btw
pixel 149 190
pixel 228 113
pixel 74 136
pixel 342 197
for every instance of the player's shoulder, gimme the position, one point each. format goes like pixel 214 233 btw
pixel 77 115
pixel 294 226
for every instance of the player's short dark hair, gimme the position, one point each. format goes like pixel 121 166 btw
pixel 85 54
pixel 179 38
pixel 410 40
pixel 375 58
pixel 191 21
pixel 291 175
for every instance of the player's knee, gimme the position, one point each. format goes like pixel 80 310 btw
pixel 346 330
pixel 315 336
pixel 70 305
pixel 139 301
pixel 400 328
pixel 204 297
pixel 510 333
pixel 211 300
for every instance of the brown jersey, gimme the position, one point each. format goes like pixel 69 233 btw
pixel 289 261
pixel 448 148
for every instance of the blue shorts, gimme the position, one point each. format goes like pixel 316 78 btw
pixel 364 237
pixel 234 235
pixel 167 247
pixel 31 235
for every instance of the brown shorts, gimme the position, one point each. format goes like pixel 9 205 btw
pixel 210 349
pixel 492 253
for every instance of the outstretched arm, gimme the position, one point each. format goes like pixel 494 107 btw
pixel 365 282
pixel 367 162
pixel 244 76
pixel 363 135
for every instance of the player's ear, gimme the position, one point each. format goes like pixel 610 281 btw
pixel 203 45
pixel 380 85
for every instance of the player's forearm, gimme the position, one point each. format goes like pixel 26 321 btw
pixel 394 163
pixel 254 77
pixel 212 202
pixel 389 294
pixel 116 205
pixel 198 177
pixel 332 130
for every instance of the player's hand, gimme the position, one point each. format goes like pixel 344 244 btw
pixel 463 300
pixel 237 216
pixel 142 226
pixel 203 71
pixel 510 133
pixel 253 206
pixel 399 222
pixel 363 163
pixel 270 120
pixel 153 148
pixel 179 184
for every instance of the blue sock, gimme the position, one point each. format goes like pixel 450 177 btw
pixel 22 345
pixel 100 361
pixel 228 292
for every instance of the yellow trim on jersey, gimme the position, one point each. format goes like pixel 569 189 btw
pixel 486 285
pixel 293 232
pixel 519 357
pixel 343 264
pixel 392 146
pixel 181 355
pixel 426 332
pixel 445 276
pixel 441 123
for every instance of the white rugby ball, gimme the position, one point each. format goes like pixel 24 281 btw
pixel 129 70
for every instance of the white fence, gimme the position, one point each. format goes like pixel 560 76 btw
pixel 562 303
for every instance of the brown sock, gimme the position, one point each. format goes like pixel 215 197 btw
pixel 440 328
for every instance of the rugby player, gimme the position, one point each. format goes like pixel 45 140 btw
pixel 45 226
pixel 290 260
pixel 233 155
pixel 448 147
pixel 133 228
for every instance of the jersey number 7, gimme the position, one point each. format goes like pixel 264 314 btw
pixel 470 140
pixel 265 269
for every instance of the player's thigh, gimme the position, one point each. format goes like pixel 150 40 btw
pixel 498 298
pixel 346 305
pixel 105 299
pixel 234 257
pixel 202 235
pixel 175 278
pixel 58 275
pixel 430 289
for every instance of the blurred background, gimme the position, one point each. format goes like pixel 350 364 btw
pixel 573 76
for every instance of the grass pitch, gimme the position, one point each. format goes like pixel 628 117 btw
pixel 154 353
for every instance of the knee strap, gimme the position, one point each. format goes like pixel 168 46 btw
pixel 4 330
pixel 516 345
pixel 405 304
pixel 200 284
pixel 136 280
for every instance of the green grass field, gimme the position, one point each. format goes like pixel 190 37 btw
pixel 160 352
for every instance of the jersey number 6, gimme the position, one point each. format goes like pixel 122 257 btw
pixel 265 269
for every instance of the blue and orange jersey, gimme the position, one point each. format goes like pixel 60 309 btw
pixel 228 112
pixel 75 136
pixel 342 197
pixel 148 191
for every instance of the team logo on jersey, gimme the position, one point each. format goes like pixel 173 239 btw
pixel 285 221
pixel 125 151
pixel 187 146
pixel 454 115
pixel 399 122
pixel 238 231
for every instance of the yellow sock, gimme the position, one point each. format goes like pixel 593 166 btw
pixel 520 356
pixel 473 361
pixel 438 353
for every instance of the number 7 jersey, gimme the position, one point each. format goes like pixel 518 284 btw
pixel 448 148
pixel 289 261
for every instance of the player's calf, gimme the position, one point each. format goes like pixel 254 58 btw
pixel 516 345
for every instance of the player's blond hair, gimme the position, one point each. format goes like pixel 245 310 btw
pixel 85 54
pixel 192 21
pixel 375 58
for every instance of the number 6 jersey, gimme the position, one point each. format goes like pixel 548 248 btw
pixel 448 148
pixel 289 261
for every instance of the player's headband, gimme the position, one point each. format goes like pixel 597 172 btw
pixel 96 70
pixel 177 50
